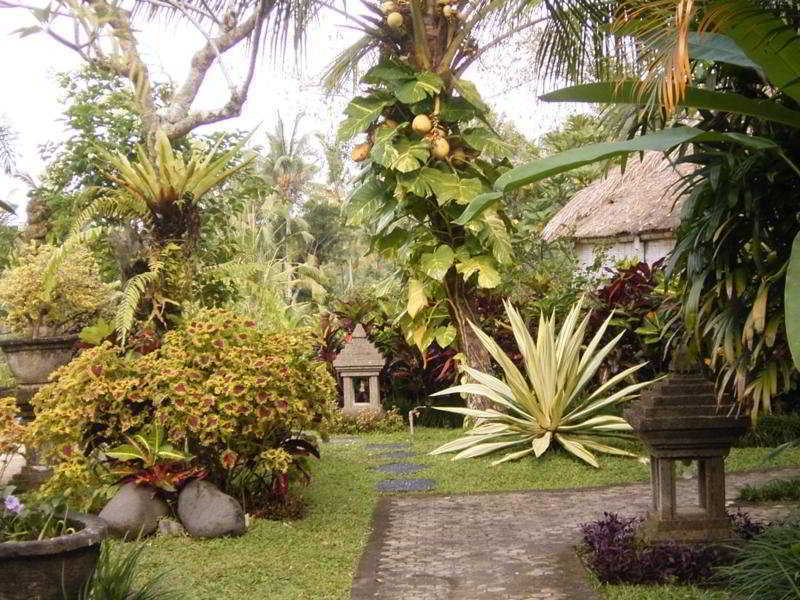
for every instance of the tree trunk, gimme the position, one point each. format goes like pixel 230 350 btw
pixel 461 313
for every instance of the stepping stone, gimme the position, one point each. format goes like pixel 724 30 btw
pixel 343 441
pixel 386 446
pixel 405 485
pixel 400 468
pixel 396 455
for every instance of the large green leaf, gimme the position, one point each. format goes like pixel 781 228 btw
pixel 417 299
pixel 387 72
pixel 715 47
pixel 361 112
pixel 436 264
pixel 662 141
pixel 402 154
pixel 488 277
pixel 470 93
pixel 767 41
pixel 456 109
pixel 426 84
pixel 359 204
pixel 448 186
pixel 484 140
pixel 792 302
pixel 498 236
pixel 627 92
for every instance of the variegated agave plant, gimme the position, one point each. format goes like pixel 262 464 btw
pixel 553 403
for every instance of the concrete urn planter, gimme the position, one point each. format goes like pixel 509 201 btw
pixel 33 360
pixel 46 569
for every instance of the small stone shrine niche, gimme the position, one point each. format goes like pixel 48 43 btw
pixel 679 419
pixel 359 364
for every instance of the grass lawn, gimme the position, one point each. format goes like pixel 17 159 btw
pixel 314 559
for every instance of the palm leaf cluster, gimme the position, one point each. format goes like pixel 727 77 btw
pixel 552 401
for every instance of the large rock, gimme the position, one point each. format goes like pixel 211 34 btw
pixel 208 513
pixel 134 511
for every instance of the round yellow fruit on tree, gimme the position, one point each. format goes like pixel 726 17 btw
pixel 394 20
pixel 421 124
pixel 387 7
pixel 361 152
pixel 440 148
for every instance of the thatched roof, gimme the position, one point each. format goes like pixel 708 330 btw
pixel 641 200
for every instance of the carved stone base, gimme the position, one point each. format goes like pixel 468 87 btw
pixel 692 527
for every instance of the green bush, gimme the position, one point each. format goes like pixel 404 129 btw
pixel 768 567
pixel 227 392
pixel 367 421
pixel 772 491
pixel 78 295
pixel 771 431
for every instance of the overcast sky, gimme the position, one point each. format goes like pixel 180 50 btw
pixel 30 96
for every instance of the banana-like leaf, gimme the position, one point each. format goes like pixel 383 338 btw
pixel 630 92
pixel 792 302
pixel 562 162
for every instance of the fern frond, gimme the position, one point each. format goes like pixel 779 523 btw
pixel 132 295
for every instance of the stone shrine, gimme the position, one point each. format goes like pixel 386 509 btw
pixel 679 419
pixel 359 364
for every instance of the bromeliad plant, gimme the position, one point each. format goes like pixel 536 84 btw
pixel 162 197
pixel 552 404
pixel 148 459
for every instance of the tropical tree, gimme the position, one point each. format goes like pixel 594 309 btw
pixel 741 89
pixel 425 159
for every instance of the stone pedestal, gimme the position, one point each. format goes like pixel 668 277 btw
pixel 679 419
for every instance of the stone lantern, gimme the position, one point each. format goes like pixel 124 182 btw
pixel 679 419
pixel 359 364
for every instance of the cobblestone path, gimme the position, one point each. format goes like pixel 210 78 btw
pixel 504 546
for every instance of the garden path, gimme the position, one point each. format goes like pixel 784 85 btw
pixel 502 546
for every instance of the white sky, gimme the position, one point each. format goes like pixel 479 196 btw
pixel 29 96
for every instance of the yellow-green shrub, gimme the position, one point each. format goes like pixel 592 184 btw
pixel 223 389
pixel 78 295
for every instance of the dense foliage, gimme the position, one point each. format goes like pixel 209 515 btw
pixel 615 555
pixel 766 567
pixel 74 298
pixel 232 395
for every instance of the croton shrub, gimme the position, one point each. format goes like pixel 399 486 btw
pixel 232 395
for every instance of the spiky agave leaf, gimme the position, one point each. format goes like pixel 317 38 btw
pixel 552 404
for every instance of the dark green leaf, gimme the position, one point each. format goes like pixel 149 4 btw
pixel 484 140
pixel 426 84
pixel 470 93
pixel 792 302
pixel 715 47
pixel 628 93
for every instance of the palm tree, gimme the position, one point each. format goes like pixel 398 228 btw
pixel 8 154
pixel 288 173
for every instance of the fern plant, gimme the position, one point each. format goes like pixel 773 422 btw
pixel 554 403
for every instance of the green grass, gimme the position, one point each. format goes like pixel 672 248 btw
pixel 772 491
pixel 659 592
pixel 314 559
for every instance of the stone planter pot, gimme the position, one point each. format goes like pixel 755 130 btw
pixel 48 569
pixel 32 361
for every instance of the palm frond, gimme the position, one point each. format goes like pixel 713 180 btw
pixel 346 66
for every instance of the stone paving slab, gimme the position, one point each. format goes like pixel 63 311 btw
pixel 396 455
pixel 405 485
pixel 400 468
pixel 387 446
pixel 501 546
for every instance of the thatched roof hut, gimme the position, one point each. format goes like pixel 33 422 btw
pixel 624 212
